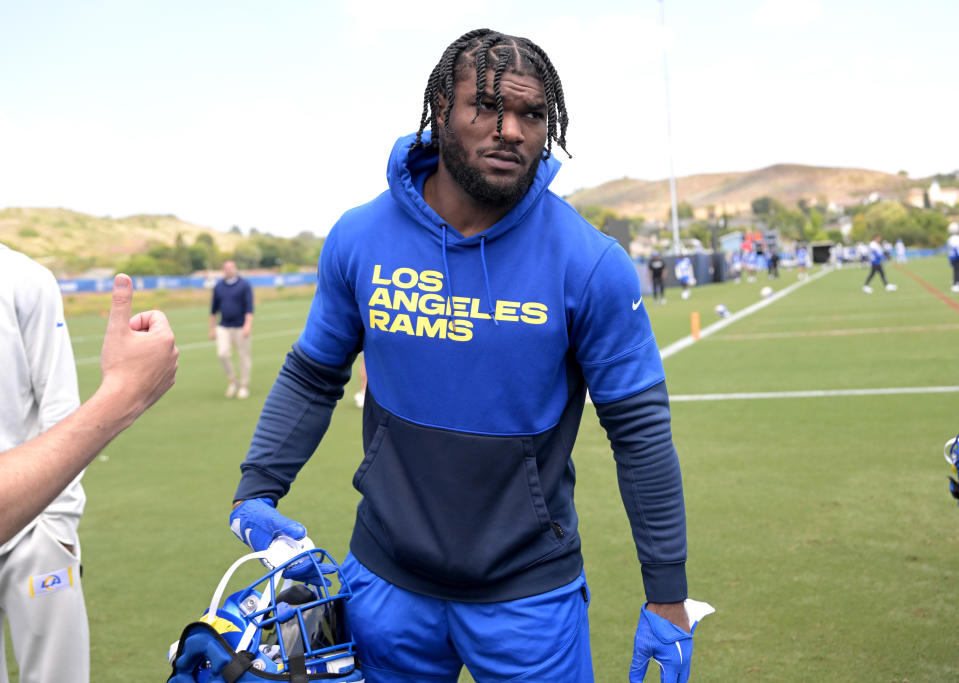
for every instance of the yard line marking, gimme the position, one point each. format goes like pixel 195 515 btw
pixel 823 393
pixel 838 333
pixel 204 344
pixel 193 325
pixel 942 297
pixel 687 341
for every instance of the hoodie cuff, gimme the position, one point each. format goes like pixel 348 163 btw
pixel 665 582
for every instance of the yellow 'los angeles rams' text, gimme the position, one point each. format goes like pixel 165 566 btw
pixel 407 302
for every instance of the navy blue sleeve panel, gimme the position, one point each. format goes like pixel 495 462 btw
pixel 610 331
pixel 215 303
pixel 248 297
pixel 294 418
pixel 334 328
pixel 651 486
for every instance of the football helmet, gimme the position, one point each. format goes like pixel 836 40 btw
pixel 951 453
pixel 275 626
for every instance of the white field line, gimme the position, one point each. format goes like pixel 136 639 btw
pixel 205 344
pixel 838 333
pixel 687 341
pixel 825 393
pixel 193 325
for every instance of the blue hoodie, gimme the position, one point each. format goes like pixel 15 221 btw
pixel 478 352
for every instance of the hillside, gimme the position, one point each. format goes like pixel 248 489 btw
pixel 734 192
pixel 69 242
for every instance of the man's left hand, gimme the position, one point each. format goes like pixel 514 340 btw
pixel 660 639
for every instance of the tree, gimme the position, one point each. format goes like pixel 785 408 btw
pixel 181 256
pixel 142 264
pixel 766 206
pixel 597 215
pixel 684 210
pixel 247 255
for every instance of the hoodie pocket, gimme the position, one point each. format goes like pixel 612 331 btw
pixel 461 508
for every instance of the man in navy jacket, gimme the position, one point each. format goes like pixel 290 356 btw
pixel 484 306
pixel 233 300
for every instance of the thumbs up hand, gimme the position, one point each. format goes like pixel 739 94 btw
pixel 139 356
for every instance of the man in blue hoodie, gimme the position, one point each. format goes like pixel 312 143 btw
pixel 484 306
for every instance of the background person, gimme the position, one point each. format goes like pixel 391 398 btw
pixel 233 300
pixel 876 256
pixel 656 267
pixel 952 249
pixel 773 264
pixel 466 538
pixel 684 274
pixel 900 251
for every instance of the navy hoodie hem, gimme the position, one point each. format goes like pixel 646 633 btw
pixel 532 581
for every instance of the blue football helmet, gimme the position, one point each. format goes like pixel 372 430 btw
pixel 275 626
pixel 951 453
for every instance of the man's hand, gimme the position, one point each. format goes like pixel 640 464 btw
pixel 659 638
pixel 257 523
pixel 139 357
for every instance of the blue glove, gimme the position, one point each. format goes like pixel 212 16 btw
pixel 670 646
pixel 257 523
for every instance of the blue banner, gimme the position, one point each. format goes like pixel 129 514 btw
pixel 147 282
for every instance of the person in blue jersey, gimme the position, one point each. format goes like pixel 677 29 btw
pixel 876 256
pixel 802 261
pixel 683 270
pixel 952 249
pixel 484 306
pixel 233 300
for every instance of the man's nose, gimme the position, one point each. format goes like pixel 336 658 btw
pixel 511 131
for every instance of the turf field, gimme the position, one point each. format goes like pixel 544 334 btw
pixel 820 527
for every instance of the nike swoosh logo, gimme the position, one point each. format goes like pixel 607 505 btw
pixel 636 304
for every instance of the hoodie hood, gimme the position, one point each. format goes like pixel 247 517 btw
pixel 407 170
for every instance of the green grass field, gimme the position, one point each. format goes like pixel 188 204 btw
pixel 821 529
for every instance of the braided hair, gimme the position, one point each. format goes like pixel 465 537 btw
pixel 485 49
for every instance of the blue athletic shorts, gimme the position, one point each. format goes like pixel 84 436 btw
pixel 404 637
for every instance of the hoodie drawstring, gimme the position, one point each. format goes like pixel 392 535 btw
pixel 489 294
pixel 446 268
pixel 449 281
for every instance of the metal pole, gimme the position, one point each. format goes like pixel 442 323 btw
pixel 677 246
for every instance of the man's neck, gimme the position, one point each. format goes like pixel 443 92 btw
pixel 455 206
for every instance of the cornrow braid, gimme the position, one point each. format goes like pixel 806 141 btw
pixel 483 49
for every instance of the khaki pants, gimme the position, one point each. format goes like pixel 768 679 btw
pixel 227 339
pixel 41 596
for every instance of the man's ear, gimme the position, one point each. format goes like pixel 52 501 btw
pixel 441 103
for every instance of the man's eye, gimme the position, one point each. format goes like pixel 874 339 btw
pixel 536 115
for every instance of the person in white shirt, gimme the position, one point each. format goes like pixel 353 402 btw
pixel 900 251
pixel 41 461
pixel 684 274
pixel 40 589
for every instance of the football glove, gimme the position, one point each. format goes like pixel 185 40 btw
pixel 671 647
pixel 257 523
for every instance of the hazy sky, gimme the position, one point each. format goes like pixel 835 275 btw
pixel 280 115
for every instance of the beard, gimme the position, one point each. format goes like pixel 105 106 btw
pixel 456 159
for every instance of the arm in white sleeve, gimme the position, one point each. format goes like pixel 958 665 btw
pixel 53 379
